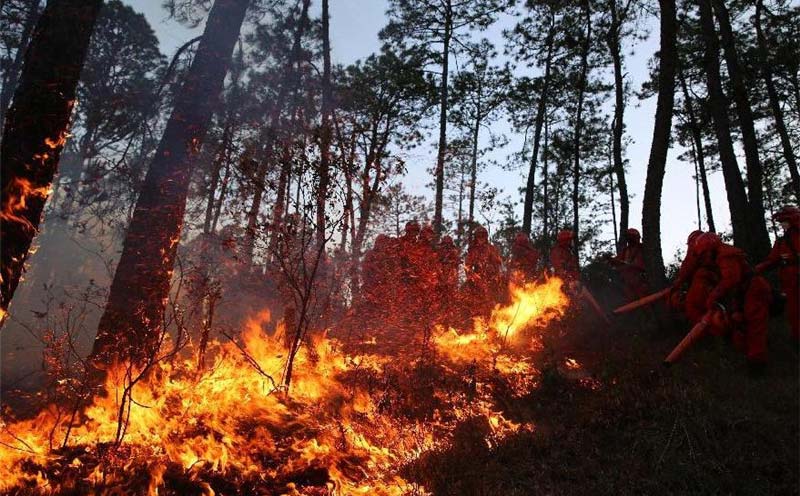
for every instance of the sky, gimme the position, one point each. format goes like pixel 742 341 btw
pixel 354 35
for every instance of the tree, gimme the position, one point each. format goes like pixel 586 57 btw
pixel 478 95
pixel 36 128
pixel 446 23
pixel 18 18
pixel 132 323
pixel 759 238
pixel 656 166
pixel 325 125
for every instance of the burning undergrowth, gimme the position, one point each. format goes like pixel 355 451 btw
pixel 348 424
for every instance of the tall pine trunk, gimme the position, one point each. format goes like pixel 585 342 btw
pixel 473 170
pixel 133 321
pixel 697 148
pixel 576 168
pixel 615 48
pixel 36 127
pixel 438 218
pixel 527 207
pixel 656 165
pixel 759 236
pixel 718 106
pixel 325 131
pixel 774 102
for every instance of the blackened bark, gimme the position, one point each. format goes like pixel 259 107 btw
pixel 699 154
pixel 759 236
pixel 527 207
pixel 473 171
pixel 576 170
pixel 774 102
pixel 656 166
pixel 718 106
pixel 216 169
pixel 325 135
pixel 439 173
pixel 132 323
pixel 36 128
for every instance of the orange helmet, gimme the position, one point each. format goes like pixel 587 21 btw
pixel 706 242
pixel 789 213
pixel 693 237
pixel 633 234
pixel 565 236
pixel 412 228
pixel 481 234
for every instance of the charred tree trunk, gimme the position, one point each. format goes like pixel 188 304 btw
pixel 12 72
pixel 576 170
pixel 656 166
pixel 774 102
pixel 759 236
pixel 439 179
pixel 546 186
pixel 36 129
pixel 223 191
pixel 615 48
pixel 325 135
pixel 132 323
pixel 697 149
pixel 527 208
pixel 718 105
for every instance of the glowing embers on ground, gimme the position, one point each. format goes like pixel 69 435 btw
pixel 348 426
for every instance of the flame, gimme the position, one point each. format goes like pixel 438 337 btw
pixel 237 420
pixel 15 201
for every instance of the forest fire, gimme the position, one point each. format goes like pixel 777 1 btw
pixel 344 427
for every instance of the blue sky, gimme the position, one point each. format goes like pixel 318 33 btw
pixel 354 35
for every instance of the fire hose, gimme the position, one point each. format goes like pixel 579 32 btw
pixel 646 300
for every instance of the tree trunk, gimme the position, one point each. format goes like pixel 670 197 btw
pixel 325 135
pixel 718 106
pixel 36 129
pixel 775 104
pixel 12 72
pixel 438 218
pixel 576 170
pixel 699 154
pixel 223 190
pixel 614 46
pixel 656 166
pixel 473 171
pixel 759 236
pixel 220 158
pixel 132 324
pixel 527 208
pixel 546 186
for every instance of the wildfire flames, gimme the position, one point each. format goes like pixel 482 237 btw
pixel 343 428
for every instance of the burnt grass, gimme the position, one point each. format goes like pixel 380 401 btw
pixel 627 425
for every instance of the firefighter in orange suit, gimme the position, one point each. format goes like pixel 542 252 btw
pixel 786 255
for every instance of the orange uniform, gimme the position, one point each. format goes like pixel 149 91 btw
pixel 630 264
pixel 524 257
pixel 786 255
pixel 484 285
pixel 700 278
pixel 562 259
pixel 745 295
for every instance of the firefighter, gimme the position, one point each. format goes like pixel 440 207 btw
pixel 698 277
pixel 562 259
pixel 744 295
pixel 380 274
pixel 524 258
pixel 786 255
pixel 447 295
pixel 630 265
pixel 484 284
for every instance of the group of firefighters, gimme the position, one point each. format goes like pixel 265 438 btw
pixel 415 279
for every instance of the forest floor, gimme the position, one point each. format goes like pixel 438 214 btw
pixel 624 424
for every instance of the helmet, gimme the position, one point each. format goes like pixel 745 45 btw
pixel 381 241
pixel 481 234
pixel 565 236
pixel 412 228
pixel 521 239
pixel 789 213
pixel 633 234
pixel 693 237
pixel 427 233
pixel 447 242
pixel 706 242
